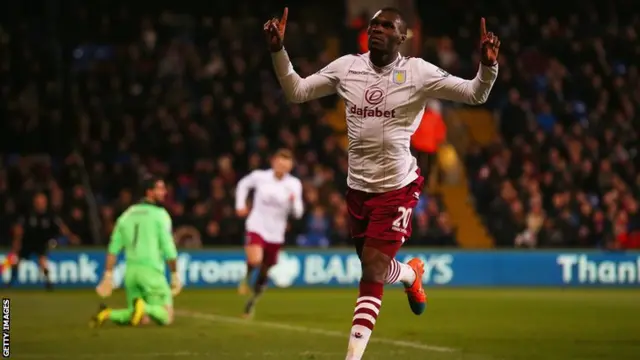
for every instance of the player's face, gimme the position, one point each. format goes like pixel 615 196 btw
pixel 40 203
pixel 281 165
pixel 385 32
pixel 160 191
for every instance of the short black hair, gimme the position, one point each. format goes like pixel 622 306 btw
pixel 393 10
pixel 396 11
pixel 148 182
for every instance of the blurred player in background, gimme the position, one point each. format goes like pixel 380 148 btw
pixel 385 95
pixel 32 234
pixel 144 232
pixel 276 195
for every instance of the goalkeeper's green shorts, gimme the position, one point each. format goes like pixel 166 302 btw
pixel 148 285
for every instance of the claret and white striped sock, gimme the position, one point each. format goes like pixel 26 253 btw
pixel 364 318
pixel 400 272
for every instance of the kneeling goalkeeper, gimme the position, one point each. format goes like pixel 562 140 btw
pixel 144 232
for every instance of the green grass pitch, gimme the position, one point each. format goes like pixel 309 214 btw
pixel 459 324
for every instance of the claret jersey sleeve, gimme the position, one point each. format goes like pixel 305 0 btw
pixel 437 83
pixel 320 84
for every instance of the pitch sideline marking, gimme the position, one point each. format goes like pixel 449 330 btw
pixel 115 355
pixel 176 354
pixel 328 333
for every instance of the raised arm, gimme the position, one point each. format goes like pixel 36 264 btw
pixel 296 89
pixel 437 83
pixel 299 90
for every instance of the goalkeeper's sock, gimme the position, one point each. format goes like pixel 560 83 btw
pixel 158 313
pixel 120 316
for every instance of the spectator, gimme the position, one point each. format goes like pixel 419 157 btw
pixel 430 134
pixel 568 123
pixel 317 234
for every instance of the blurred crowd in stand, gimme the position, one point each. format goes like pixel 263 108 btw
pixel 564 170
pixel 96 96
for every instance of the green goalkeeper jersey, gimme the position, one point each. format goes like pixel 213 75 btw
pixel 144 232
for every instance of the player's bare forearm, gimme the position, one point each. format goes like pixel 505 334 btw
pixel 73 238
pixel 65 231
pixel 173 265
pixel 110 263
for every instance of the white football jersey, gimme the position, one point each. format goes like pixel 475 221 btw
pixel 384 107
pixel 273 200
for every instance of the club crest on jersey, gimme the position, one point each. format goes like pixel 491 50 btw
pixel 399 77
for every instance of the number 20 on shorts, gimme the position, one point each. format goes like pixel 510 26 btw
pixel 401 223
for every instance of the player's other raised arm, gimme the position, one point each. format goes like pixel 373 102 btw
pixel 296 88
pixel 437 83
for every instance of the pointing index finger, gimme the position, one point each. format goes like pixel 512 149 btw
pixel 285 15
pixel 483 27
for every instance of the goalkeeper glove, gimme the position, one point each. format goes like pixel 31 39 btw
pixel 105 287
pixel 176 284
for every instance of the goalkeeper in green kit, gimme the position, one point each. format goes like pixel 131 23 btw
pixel 144 232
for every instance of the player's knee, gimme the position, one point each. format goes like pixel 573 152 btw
pixel 373 272
pixel 374 265
pixel 254 255
pixel 146 320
